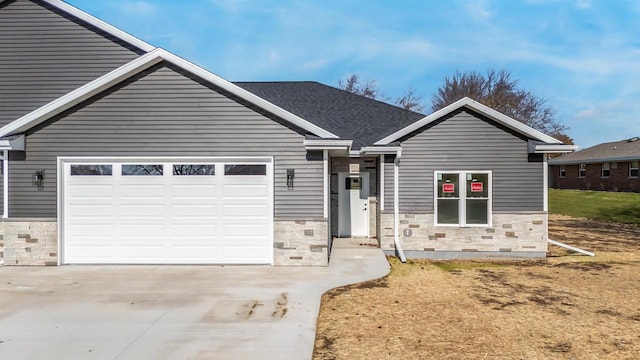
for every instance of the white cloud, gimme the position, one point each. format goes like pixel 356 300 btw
pixel 583 4
pixel 478 9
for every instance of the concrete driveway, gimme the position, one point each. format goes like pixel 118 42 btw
pixel 171 312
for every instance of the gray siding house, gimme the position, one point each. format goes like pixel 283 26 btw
pixel 117 152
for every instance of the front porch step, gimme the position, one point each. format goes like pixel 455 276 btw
pixel 355 242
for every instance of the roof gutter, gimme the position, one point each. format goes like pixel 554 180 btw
pixel 558 161
pixel 551 148
pixel 327 144
pixel 380 150
pixel 396 210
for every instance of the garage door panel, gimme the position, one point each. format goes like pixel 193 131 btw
pixel 193 231
pixel 91 211
pixel 194 211
pixel 142 191
pixel 244 191
pixel 151 229
pixel 91 230
pixel 185 253
pixel 142 210
pixel 192 218
pixel 198 190
pixel 246 210
pixel 240 230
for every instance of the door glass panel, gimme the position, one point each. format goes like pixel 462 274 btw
pixel 477 211
pixel 91 170
pixel 448 211
pixel 142 170
pixel 245 169
pixel 353 183
pixel 194 170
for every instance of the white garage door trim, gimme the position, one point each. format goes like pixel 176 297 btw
pixel 64 164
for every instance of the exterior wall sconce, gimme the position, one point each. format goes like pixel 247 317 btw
pixel 291 174
pixel 38 179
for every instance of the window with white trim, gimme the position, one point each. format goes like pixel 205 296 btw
pixel 606 170
pixel 582 170
pixel 634 169
pixel 563 171
pixel 463 198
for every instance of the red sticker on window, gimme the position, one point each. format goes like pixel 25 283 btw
pixel 448 188
pixel 476 187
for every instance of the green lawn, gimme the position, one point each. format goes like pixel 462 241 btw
pixel 597 205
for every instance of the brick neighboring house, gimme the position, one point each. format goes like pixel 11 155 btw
pixel 612 166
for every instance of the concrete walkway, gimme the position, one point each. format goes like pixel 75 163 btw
pixel 171 312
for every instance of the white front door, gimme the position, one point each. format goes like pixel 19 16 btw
pixel 353 204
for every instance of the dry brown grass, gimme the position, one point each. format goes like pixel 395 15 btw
pixel 569 307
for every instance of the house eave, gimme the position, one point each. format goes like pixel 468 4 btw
pixel 595 161
pixel 328 144
pixel 380 150
pixel 553 149
pixel 13 143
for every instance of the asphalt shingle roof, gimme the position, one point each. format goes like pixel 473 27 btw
pixel 345 114
pixel 618 150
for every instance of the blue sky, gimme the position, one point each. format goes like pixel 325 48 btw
pixel 582 56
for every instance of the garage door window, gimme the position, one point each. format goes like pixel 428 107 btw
pixel 91 170
pixel 245 169
pixel 142 170
pixel 193 170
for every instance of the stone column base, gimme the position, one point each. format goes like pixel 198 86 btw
pixel 29 241
pixel 300 243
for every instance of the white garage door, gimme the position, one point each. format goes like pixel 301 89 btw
pixel 158 211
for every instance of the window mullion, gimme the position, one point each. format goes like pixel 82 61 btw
pixel 463 199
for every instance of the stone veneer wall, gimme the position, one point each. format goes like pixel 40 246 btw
pixel 517 235
pixel 30 241
pixel 300 242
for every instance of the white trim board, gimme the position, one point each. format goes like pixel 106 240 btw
pixel 136 66
pixel 92 20
pixel 475 106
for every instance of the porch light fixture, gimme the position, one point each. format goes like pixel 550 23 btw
pixel 291 174
pixel 38 179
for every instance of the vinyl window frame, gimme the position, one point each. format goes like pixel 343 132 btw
pixel 633 169
pixel 562 172
pixel 582 170
pixel 605 170
pixel 462 198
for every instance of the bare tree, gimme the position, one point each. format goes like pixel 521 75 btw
pixel 352 84
pixel 497 90
pixel 410 100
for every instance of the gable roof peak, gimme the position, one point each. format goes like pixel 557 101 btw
pixel 477 107
pixel 136 66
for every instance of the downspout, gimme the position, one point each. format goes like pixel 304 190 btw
pixel 5 184
pixel 381 201
pixel 396 211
